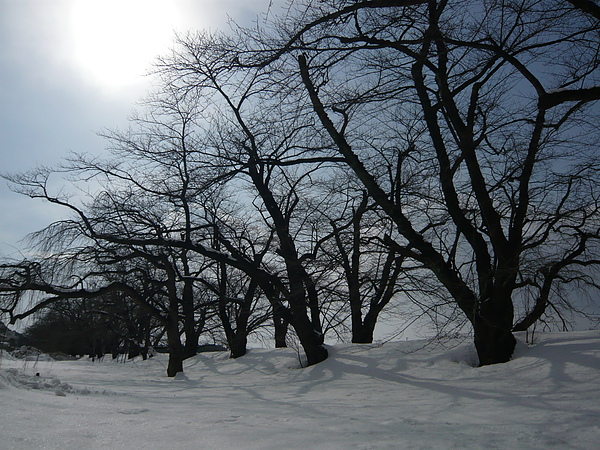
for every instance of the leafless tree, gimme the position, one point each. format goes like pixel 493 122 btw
pixel 145 192
pixel 496 106
pixel 467 130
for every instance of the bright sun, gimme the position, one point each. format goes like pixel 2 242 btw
pixel 115 41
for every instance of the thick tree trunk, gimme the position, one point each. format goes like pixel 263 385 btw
pixel 191 345
pixel 494 345
pixel 494 340
pixel 175 365
pixel 313 303
pixel 237 339
pixel 191 342
pixel 308 332
pixel 189 324
pixel 364 329
pixel 314 350
pixel 360 330
pixel 176 358
pixel 363 334
pixel 310 339
pixel 240 337
pixel 281 327
pixel 238 345
pixel 359 333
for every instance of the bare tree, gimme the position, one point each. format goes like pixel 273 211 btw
pixel 272 157
pixel 470 128
pixel 146 191
pixel 498 101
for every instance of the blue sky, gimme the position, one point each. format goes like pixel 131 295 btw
pixel 70 68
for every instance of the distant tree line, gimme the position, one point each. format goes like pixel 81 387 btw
pixel 108 325
pixel 345 160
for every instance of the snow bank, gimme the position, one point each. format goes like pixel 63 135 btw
pixel 15 378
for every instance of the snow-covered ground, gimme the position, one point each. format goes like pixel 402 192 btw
pixel 399 395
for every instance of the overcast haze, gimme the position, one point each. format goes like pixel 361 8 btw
pixel 69 68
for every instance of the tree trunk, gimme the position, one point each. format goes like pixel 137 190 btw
pixel 364 329
pixel 494 340
pixel 191 342
pixel 176 353
pixel 239 344
pixel 189 321
pixel 281 327
pixel 364 333
pixel 302 293
pixel 310 339
pixel 313 303
pixel 176 358
pixel 237 339
pixel 361 335
pixel 308 332
pixel 240 338
pixel 313 348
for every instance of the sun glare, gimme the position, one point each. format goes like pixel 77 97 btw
pixel 115 41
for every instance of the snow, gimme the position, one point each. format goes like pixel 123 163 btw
pixel 405 395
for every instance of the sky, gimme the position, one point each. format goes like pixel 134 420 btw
pixel 71 68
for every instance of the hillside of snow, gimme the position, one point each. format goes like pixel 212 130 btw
pixel 404 395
